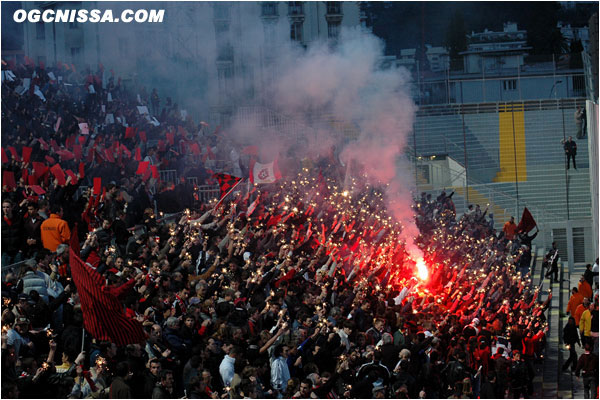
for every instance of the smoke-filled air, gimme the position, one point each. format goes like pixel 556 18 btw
pixel 347 83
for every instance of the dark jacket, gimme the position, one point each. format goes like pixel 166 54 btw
pixel 570 334
pixel 588 364
pixel 32 230
pixel 12 235
pixel 160 393
pixel 519 376
pixel 571 147
pixel 119 389
pixel 175 342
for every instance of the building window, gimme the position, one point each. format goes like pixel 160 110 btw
pixel 225 52
pixel 333 29
pixel 296 31
pixel 510 84
pixel 269 9
pixel 423 174
pixel 123 47
pixel 334 7
pixel 225 75
pixel 40 30
pixel 75 54
pixel 221 27
pixel 73 25
pixel 295 8
pixel 221 11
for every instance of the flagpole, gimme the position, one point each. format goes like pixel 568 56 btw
pixel 227 194
pixel 82 338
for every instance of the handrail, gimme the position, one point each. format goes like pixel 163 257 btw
pixel 491 193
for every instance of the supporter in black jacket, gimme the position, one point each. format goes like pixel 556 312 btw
pixel 12 234
pixel 570 338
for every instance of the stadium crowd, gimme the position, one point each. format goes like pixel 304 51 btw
pixel 302 288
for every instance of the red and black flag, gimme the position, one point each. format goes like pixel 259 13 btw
pixel 103 314
pixel 226 182
pixel 527 222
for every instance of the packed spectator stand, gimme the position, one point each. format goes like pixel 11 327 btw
pixel 300 288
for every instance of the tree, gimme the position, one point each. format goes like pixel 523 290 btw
pixel 540 21
pixel 456 40
pixel 575 61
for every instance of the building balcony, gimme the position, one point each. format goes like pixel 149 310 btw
pixel 221 13
pixel 225 54
pixel 269 10
pixel 295 10
pixel 334 11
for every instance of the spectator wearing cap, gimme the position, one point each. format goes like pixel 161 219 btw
pixel 15 338
pixel 55 230
pixel 61 262
pixel 21 308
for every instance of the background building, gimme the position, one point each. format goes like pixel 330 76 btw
pixel 213 57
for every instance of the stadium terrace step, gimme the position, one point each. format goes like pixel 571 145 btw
pixel 476 197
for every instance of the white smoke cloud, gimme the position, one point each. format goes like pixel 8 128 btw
pixel 348 84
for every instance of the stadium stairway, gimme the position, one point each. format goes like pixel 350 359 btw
pixel 476 197
pixel 570 386
pixel 538 367
pixel 550 381
pixel 551 364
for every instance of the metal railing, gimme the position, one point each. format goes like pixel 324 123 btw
pixel 591 79
pixel 206 193
pixel 285 126
pixel 168 175
pixel 15 269
pixel 470 134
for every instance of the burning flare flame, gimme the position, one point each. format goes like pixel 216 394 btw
pixel 422 272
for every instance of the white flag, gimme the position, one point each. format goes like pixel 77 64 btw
pixel 85 130
pixel 264 173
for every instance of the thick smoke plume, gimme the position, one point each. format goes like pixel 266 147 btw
pixel 347 84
